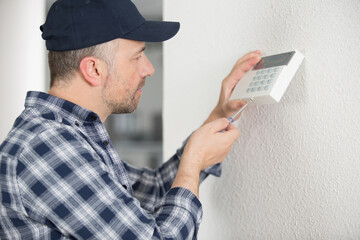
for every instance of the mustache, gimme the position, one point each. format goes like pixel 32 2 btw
pixel 141 84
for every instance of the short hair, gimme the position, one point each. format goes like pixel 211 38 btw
pixel 63 64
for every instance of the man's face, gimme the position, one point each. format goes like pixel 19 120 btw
pixel 127 73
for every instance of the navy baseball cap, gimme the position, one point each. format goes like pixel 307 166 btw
pixel 76 24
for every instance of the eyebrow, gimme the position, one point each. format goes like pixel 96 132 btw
pixel 141 50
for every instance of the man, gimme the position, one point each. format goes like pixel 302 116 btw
pixel 60 175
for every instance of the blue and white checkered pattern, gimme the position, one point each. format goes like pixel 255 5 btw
pixel 61 178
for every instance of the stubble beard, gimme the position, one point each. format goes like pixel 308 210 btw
pixel 127 105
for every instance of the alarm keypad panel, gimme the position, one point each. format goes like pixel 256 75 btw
pixel 268 80
pixel 263 79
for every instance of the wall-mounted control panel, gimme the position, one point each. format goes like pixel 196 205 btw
pixel 268 80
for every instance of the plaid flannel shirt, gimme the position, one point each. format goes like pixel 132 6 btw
pixel 61 178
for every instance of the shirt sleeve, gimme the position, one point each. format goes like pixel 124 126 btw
pixel 66 186
pixel 150 185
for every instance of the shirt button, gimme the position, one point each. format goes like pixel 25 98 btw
pixel 77 124
pixel 93 118
pixel 105 143
pixel 125 186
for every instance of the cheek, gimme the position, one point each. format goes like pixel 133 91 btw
pixel 123 86
pixel 126 80
pixel 114 86
pixel 133 79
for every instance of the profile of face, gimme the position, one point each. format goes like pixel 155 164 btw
pixel 126 77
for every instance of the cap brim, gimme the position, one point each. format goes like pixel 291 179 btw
pixel 153 31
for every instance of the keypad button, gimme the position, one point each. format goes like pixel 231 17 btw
pixel 267 87
pixel 263 82
pixel 253 89
pixel 276 69
pixel 270 70
pixel 257 83
pixel 260 88
pixel 248 90
pixel 270 81
pixel 273 75
pixel 258 73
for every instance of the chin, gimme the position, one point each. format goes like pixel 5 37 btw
pixel 126 109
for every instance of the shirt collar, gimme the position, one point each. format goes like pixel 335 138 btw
pixel 41 100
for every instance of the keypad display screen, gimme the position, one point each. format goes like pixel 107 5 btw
pixel 274 60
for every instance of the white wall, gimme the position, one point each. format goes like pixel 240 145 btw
pixel 294 172
pixel 22 56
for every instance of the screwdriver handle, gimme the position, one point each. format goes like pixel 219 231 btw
pixel 230 119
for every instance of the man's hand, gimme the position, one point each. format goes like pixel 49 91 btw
pixel 226 108
pixel 210 145
pixel 206 147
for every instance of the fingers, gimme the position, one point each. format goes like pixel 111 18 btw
pixel 218 125
pixel 232 132
pixel 248 56
pixel 248 63
pixel 249 60
pixel 243 65
pixel 223 124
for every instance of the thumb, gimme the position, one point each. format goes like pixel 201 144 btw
pixel 234 105
pixel 218 125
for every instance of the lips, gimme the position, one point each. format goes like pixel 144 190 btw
pixel 141 86
pixel 139 90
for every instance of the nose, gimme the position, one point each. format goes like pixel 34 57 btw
pixel 148 69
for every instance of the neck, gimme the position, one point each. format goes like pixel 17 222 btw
pixel 80 93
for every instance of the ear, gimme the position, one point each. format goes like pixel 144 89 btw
pixel 94 70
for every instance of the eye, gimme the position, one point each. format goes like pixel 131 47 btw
pixel 138 57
